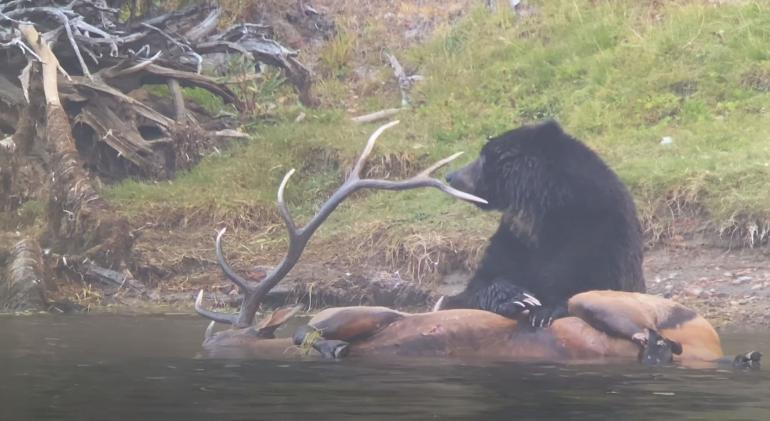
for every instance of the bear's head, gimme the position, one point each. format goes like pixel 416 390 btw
pixel 513 169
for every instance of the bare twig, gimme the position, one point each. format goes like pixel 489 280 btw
pixel 114 71
pixel 74 45
pixel 404 83
pixel 376 116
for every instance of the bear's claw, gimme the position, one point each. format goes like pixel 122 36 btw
pixel 543 316
pixel 506 299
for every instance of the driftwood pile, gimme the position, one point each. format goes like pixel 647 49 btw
pixel 73 108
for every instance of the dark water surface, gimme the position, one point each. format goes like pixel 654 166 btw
pixel 145 368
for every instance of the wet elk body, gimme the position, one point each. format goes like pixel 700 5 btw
pixel 601 328
pixel 602 324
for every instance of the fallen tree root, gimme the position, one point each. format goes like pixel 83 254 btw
pixel 78 218
pixel 23 286
pixel 88 95
pixel 90 271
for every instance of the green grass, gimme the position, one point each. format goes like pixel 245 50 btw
pixel 609 72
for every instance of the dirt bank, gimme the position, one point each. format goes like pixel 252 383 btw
pixel 729 287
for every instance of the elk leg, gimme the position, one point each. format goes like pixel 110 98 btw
pixel 613 316
pixel 307 336
pixel 332 349
pixel 353 323
pixel 657 349
pixel 627 319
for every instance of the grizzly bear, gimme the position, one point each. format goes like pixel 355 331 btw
pixel 569 225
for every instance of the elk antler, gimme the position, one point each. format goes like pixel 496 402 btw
pixel 298 237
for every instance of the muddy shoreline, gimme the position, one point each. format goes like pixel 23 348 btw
pixel 731 288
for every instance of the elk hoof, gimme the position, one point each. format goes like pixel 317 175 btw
pixel 656 349
pixel 748 360
pixel 332 349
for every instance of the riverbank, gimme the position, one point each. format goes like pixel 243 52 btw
pixel 731 288
pixel 674 95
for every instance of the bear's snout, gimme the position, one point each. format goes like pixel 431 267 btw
pixel 466 178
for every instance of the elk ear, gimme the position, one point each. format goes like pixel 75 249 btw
pixel 269 324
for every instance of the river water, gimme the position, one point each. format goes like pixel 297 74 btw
pixel 100 367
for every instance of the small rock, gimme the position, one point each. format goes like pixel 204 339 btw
pixel 757 286
pixel 742 280
pixel 694 292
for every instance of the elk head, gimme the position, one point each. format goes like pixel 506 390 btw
pixel 298 237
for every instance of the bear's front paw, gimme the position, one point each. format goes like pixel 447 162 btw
pixel 543 316
pixel 518 306
pixel 507 300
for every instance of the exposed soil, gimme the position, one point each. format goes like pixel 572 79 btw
pixel 731 288
pixel 728 287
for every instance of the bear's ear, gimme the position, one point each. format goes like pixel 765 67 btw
pixel 548 129
pixel 547 139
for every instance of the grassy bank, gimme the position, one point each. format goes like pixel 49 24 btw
pixel 621 75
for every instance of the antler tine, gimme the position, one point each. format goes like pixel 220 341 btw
pixel 428 171
pixel 247 287
pixel 416 182
pixel 212 315
pixel 243 283
pixel 356 172
pixel 287 219
pixel 423 179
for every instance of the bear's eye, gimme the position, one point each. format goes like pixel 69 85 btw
pixel 508 166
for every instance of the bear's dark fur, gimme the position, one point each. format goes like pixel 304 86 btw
pixel 569 225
